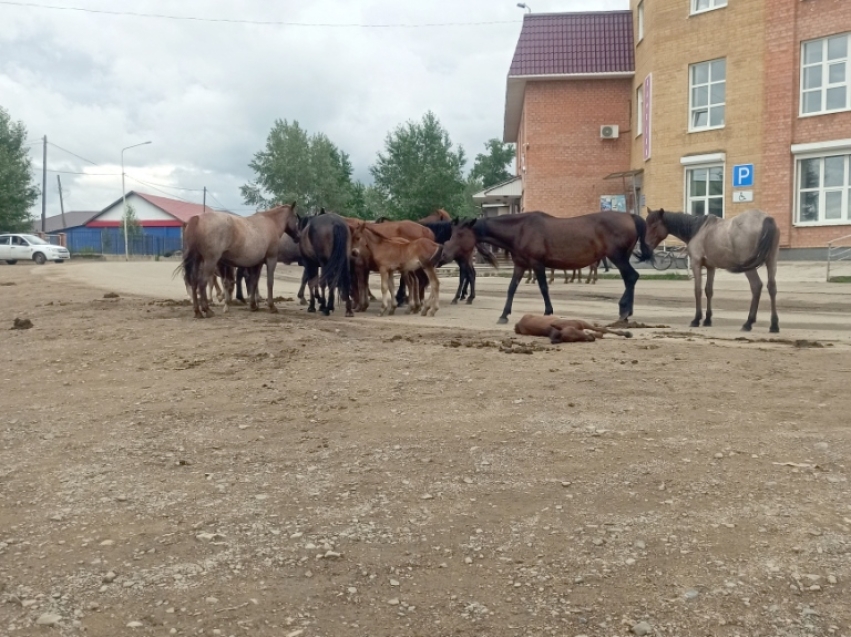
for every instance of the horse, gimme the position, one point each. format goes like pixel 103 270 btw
pixel 534 325
pixel 438 215
pixel 391 254
pixel 740 244
pixel 234 241
pixel 363 263
pixel 463 248
pixel 576 274
pixel 289 253
pixel 326 242
pixel 539 241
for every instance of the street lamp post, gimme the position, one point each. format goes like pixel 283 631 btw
pixel 124 199
pixel 523 5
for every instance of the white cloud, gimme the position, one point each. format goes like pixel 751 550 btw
pixel 207 94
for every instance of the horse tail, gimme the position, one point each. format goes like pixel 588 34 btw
pixel 645 254
pixel 487 255
pixel 191 257
pixel 336 271
pixel 764 246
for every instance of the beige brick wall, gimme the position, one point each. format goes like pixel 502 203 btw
pixel 566 160
pixel 673 40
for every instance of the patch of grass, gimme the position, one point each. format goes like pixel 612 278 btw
pixel 840 279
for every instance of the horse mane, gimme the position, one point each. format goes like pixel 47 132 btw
pixel 442 230
pixel 683 226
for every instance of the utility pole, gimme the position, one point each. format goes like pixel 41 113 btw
pixel 44 187
pixel 61 202
pixel 204 209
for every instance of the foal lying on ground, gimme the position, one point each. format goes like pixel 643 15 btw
pixel 561 330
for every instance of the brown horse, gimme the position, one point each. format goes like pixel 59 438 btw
pixel 462 249
pixel 539 241
pixel 289 253
pixel 363 263
pixel 216 237
pixel 740 244
pixel 534 325
pixel 438 215
pixel 392 254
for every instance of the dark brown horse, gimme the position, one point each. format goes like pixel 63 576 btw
pixel 326 243
pixel 216 238
pixel 538 241
pixel 462 251
pixel 740 244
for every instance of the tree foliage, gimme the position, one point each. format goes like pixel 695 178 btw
pixel 491 167
pixel 295 166
pixel 18 191
pixel 419 171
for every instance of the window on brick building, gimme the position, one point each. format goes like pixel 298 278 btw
pixel 639 110
pixel 699 6
pixel 707 94
pixel 705 190
pixel 826 75
pixel 824 190
pixel 640 21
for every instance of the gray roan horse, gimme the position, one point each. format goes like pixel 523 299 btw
pixel 740 244
pixel 215 238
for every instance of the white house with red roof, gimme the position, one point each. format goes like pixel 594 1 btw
pixel 162 220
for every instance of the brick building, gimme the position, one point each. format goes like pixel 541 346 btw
pixel 732 104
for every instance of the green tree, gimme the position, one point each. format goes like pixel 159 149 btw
pixel 490 167
pixel 419 171
pixel 134 228
pixel 18 192
pixel 295 166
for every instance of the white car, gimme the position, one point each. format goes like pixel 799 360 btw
pixel 19 247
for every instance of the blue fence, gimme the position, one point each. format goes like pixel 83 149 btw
pixel 110 241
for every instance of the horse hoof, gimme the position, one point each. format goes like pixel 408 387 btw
pixel 302 302
pixel 470 301
pixel 707 323
pixel 503 320
pixel 694 323
pixel 350 314
pixel 453 302
pixel 746 327
pixel 774 329
pixel 391 311
pixel 273 309
pixel 311 310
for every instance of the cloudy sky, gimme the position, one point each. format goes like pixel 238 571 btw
pixel 207 93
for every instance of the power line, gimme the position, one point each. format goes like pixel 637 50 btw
pixel 74 154
pixel 351 25
pixel 144 183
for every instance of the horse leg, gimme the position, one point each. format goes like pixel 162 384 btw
pixel 698 294
pixel 512 289
pixel 310 274
pixel 552 277
pixel 205 271
pixel 545 291
pixel 710 279
pixel 301 300
pixel 433 305
pixel 271 262
pixel 630 277
pixel 413 292
pixel 391 285
pixel 240 275
pixel 386 292
pixel 529 277
pixel 401 296
pixel 471 278
pixel 462 279
pixel 771 268
pixel 590 274
pixel 756 292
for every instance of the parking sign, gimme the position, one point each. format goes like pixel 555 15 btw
pixel 743 175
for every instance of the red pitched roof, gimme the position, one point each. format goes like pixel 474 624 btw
pixel 181 210
pixel 574 43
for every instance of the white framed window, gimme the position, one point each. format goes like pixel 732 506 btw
pixel 823 187
pixel 707 95
pixel 705 190
pixel 640 14
pixel 639 110
pixel 826 75
pixel 699 6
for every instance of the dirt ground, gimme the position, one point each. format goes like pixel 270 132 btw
pixel 301 476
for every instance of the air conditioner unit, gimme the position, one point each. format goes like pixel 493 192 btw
pixel 609 131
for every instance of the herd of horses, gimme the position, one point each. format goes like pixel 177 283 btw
pixel 339 253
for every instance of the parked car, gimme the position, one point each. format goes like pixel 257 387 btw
pixel 18 247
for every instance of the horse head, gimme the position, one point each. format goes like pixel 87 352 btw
pixel 657 230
